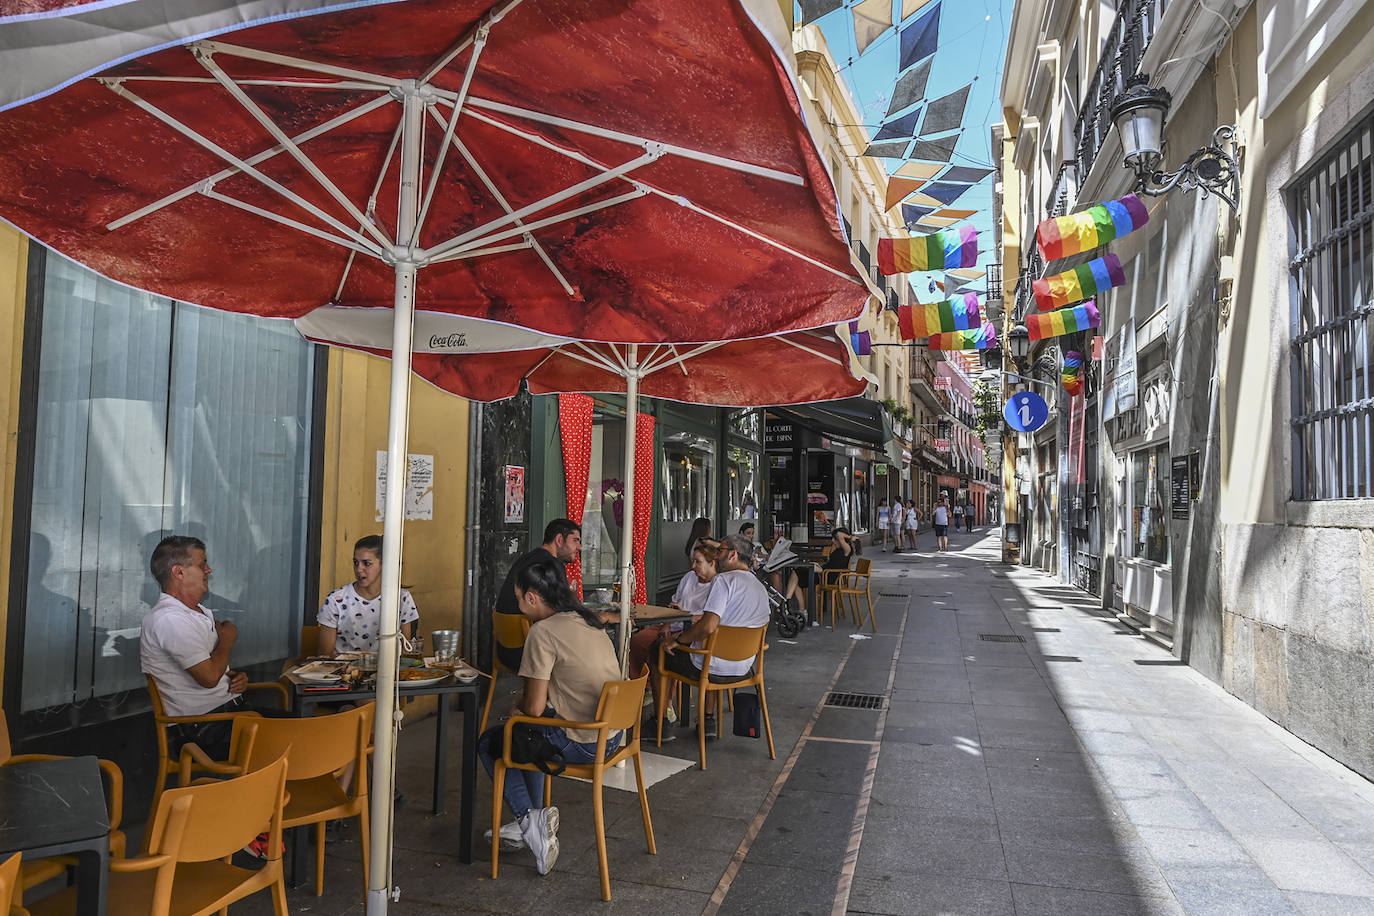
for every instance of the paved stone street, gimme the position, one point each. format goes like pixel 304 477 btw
pixel 1065 766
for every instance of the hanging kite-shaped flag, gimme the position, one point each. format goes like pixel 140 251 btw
pixel 1083 282
pixel 984 338
pixel 946 250
pixel 1061 236
pixel 862 342
pixel 1064 321
pixel 959 313
pixel 1071 376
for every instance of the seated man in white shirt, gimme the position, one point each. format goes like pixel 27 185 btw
pixel 186 651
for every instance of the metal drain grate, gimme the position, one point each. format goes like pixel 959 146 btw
pixel 856 700
pixel 1000 637
pixel 893 595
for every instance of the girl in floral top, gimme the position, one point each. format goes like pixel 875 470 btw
pixel 349 618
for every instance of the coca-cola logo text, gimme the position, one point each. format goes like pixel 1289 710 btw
pixel 448 341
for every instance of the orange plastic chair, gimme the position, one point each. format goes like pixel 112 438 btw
pixel 509 631
pixel 855 585
pixel 39 871
pixel 617 710
pixel 140 886
pixel 829 591
pixel 167 765
pixel 9 883
pixel 727 644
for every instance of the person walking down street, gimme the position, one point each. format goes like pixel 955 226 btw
pixel 913 523
pixel 897 524
pixel 958 516
pixel 884 520
pixel 941 519
pixel 968 517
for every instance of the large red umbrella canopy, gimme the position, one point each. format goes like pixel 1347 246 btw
pixel 621 171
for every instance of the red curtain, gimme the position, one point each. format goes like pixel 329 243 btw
pixel 645 472
pixel 575 429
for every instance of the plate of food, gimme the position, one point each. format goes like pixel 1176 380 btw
pixel 420 677
pixel 320 672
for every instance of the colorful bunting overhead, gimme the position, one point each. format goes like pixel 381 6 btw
pixel 911 213
pixel 911 7
pixel 920 39
pixel 891 149
pixel 942 251
pixel 862 343
pixel 957 313
pixel 815 9
pixel 1063 321
pixel 946 112
pixel 938 150
pixel 1062 236
pixel 1071 375
pixel 965 173
pixel 910 89
pixel 899 189
pixel 984 338
pixel 918 170
pixel 1083 282
pixel 955 214
pixel 905 126
pixel 943 192
pixel 871 19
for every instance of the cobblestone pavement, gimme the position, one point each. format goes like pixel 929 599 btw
pixel 1063 766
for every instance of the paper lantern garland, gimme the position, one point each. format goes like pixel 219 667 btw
pixel 1064 321
pixel 1083 282
pixel 958 313
pixel 984 338
pixel 1062 236
pixel 948 250
pixel 1071 376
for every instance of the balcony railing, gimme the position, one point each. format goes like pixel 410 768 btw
pixel 1064 191
pixel 1135 26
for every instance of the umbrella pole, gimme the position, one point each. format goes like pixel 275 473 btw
pixel 627 530
pixel 398 426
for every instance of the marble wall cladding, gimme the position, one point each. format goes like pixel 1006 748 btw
pixel 505 441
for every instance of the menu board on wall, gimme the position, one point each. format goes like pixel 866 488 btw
pixel 1181 491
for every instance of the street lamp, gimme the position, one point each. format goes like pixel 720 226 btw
pixel 1018 341
pixel 1139 112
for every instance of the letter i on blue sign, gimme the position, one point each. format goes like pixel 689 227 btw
pixel 1026 411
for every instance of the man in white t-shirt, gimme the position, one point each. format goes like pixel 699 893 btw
pixel 941 519
pixel 737 599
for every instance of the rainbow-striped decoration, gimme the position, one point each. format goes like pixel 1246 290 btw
pixel 957 313
pixel 1083 282
pixel 1064 321
pixel 947 250
pixel 1061 236
pixel 862 342
pixel 1071 376
pixel 984 338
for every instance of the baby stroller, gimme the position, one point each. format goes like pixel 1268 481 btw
pixel 786 620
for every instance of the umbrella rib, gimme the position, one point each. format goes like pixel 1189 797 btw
pixel 521 245
pixel 596 359
pixel 287 221
pixel 381 83
pixel 372 198
pixel 479 30
pixel 609 134
pixel 343 85
pixel 207 60
pixel 680 359
pixel 254 160
pixel 114 86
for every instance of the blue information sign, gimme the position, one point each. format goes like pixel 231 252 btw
pixel 1026 411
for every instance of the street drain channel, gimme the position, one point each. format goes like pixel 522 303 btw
pixel 892 595
pixel 1000 637
pixel 856 700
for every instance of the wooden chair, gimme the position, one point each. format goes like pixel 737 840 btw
pixel 9 883
pixel 169 766
pixel 618 710
pixel 829 591
pixel 310 641
pixel 858 584
pixel 508 631
pixel 39 871
pixel 726 644
pixel 141 886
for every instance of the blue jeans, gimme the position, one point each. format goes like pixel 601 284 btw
pixel 524 789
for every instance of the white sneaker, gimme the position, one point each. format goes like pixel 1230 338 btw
pixel 539 828
pixel 511 837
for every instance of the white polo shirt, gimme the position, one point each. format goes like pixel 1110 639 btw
pixel 173 638
pixel 739 600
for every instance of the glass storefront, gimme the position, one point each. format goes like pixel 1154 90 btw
pixel 603 513
pixel 687 476
pixel 1148 506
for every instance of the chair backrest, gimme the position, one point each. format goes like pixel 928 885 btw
pixel 168 845
pixel 735 644
pixel 622 702
pixel 319 744
pixel 310 641
pixel 6 751
pixel 508 631
pixel 226 816
pixel 863 567
pixel 159 711
pixel 9 880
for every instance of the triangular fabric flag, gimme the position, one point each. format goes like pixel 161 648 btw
pixel 922 200
pixel 946 112
pixel 899 189
pixel 862 343
pixel 911 7
pixel 965 173
pixel 957 313
pixel 984 338
pixel 939 150
pixel 918 170
pixel 912 213
pixel 1071 374
pixel 911 88
pixel 1059 322
pixel 871 19
pixel 891 149
pixel 944 192
pixel 905 126
pixel 815 9
pixel 1083 282
pixel 1062 236
pixel 968 273
pixel 937 222
pixel 955 214
pixel 941 251
pixel 920 39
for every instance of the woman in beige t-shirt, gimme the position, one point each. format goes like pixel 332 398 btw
pixel 568 658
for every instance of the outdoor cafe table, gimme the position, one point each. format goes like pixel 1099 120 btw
pixel 56 808
pixel 305 697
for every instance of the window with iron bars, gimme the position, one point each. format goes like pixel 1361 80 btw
pixel 1333 323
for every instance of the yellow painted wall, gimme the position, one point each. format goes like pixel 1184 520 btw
pixel 355 424
pixel 13 269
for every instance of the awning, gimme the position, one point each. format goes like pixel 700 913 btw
pixel 853 421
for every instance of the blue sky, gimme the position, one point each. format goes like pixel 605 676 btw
pixel 972 41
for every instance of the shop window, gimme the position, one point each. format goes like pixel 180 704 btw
pixel 157 418
pixel 604 510
pixel 742 484
pixel 1149 521
pixel 861 497
pixel 687 473
pixel 747 423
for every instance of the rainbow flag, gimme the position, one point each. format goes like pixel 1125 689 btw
pixel 1061 236
pixel 1064 321
pixel 862 342
pixel 947 250
pixel 1071 376
pixel 1083 282
pixel 984 338
pixel 958 313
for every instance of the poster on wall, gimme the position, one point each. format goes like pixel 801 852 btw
pixel 1181 490
pixel 419 488
pixel 515 493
